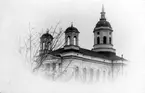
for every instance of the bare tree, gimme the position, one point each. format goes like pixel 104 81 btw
pixel 30 50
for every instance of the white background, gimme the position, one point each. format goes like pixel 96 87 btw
pixel 127 18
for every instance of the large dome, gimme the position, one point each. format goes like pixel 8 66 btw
pixel 103 23
pixel 71 29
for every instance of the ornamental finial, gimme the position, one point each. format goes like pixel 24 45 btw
pixel 102 7
pixel 71 24
pixel 103 13
pixel 47 30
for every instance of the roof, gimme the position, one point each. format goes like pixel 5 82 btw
pixel 89 53
pixel 103 23
pixel 47 35
pixel 71 29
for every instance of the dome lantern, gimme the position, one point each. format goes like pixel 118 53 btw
pixel 46 42
pixel 72 29
pixel 71 36
pixel 103 36
pixel 103 22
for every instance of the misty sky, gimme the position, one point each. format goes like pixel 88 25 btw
pixel 127 18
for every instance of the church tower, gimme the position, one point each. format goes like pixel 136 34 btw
pixel 46 43
pixel 72 37
pixel 103 36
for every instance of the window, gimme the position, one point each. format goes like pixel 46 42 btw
pixel 98 33
pixel 110 40
pixel 60 65
pixel 98 40
pixel 109 73
pixel 53 66
pixel 43 45
pixel 76 72
pixel 103 73
pixel 104 40
pixel 84 73
pixel 75 40
pixel 109 33
pixel 68 40
pixel 91 73
pixel 48 66
pixel 49 46
pixel 97 74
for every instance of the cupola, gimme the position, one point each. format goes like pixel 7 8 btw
pixel 46 42
pixel 71 37
pixel 103 36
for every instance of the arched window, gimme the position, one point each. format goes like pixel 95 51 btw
pixel 68 40
pixel 48 67
pixel 75 40
pixel 43 45
pixel 104 74
pixel 53 66
pixel 84 73
pixel 104 40
pixel 98 40
pixel 91 74
pixel 109 74
pixel 110 40
pixel 97 74
pixel 76 72
pixel 49 46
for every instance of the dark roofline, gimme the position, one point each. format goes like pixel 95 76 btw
pixel 87 52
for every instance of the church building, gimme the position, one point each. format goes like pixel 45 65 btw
pixel 72 61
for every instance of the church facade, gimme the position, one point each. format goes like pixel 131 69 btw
pixel 74 62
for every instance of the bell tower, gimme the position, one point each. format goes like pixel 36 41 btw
pixel 72 37
pixel 103 36
pixel 46 43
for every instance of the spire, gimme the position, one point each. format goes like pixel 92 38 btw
pixel 103 13
pixel 102 8
pixel 47 30
pixel 71 24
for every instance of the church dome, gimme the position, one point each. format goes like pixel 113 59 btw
pixel 103 23
pixel 71 29
pixel 47 35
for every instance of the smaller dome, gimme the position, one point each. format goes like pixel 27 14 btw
pixel 47 35
pixel 71 29
pixel 103 23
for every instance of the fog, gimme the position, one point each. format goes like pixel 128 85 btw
pixel 127 18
